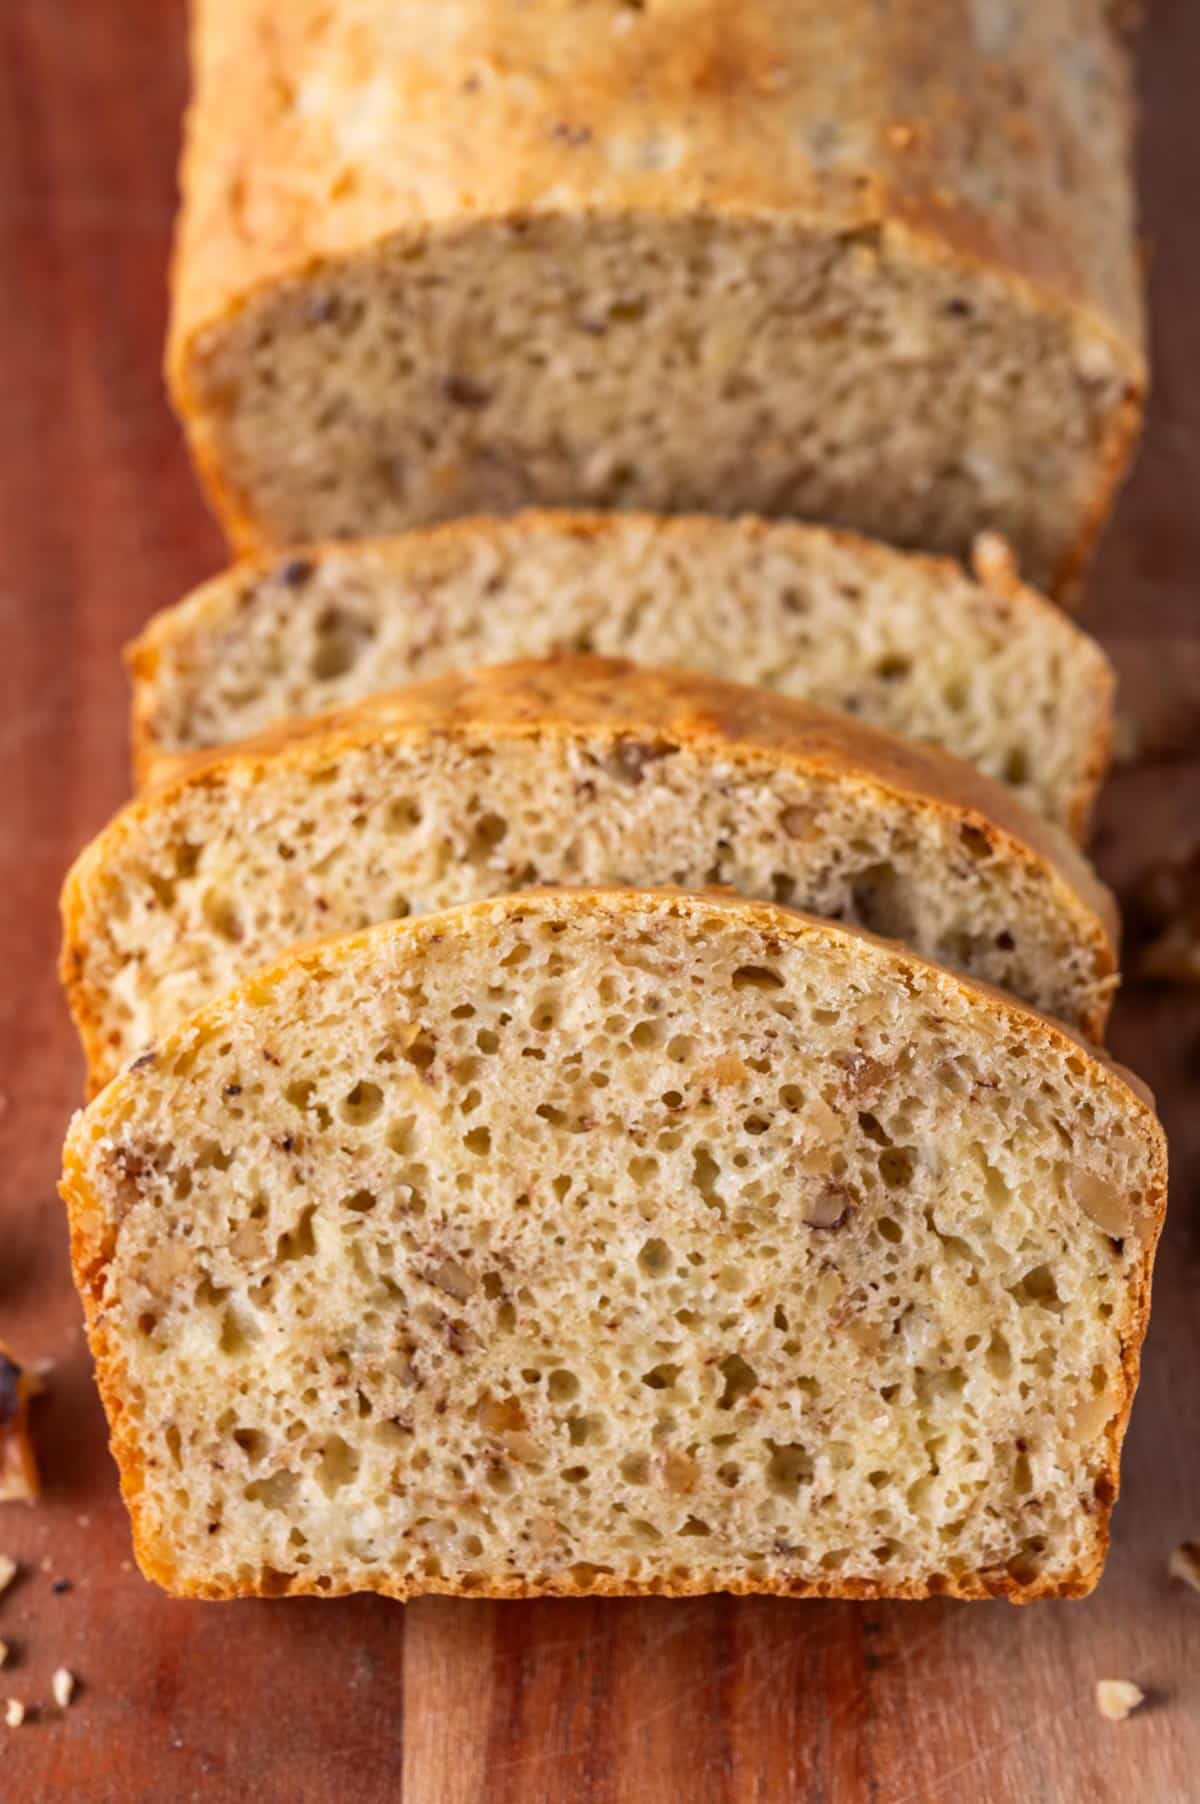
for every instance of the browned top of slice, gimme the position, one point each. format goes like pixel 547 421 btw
pixel 638 708
pixel 985 607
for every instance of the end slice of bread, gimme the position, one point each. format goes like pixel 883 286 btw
pixel 588 1242
pixel 976 664
pixel 581 770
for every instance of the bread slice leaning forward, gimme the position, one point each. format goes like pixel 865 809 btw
pixel 614 1242
pixel 583 770
pixel 975 663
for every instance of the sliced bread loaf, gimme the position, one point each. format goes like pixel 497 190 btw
pixel 613 1242
pixel 872 263
pixel 983 667
pixel 580 770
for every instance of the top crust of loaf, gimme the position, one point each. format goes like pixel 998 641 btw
pixel 396 951
pixel 317 131
pixel 181 643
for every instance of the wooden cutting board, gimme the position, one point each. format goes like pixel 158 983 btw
pixel 696 1702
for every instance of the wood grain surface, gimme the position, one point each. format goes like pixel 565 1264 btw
pixel 698 1702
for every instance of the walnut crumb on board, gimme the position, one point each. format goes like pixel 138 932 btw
pixel 1184 1564
pixel 14 1713
pixel 3 1652
pixel 1118 1698
pixel 8 1571
pixel 62 1685
pixel 18 1469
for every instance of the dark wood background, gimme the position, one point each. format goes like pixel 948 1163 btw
pixel 697 1702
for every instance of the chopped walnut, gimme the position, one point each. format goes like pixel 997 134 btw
pixel 1118 1698
pixel 449 1276
pixel 8 1571
pixel 14 1713
pixel 62 1685
pixel 1102 1203
pixel 863 1073
pixel 798 822
pixel 3 1652
pixel 544 1531
pixel 18 1469
pixel 630 757
pixel 829 1209
pixel 1184 1564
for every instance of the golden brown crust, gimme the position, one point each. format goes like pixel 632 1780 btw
pixel 93 1238
pixel 969 1588
pixel 613 699
pixel 993 572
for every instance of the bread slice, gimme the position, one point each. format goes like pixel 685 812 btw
pixel 617 1242
pixel 580 770
pixel 869 264
pixel 980 666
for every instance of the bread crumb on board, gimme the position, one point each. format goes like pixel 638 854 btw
pixel 1184 1564
pixel 63 1683
pixel 1118 1698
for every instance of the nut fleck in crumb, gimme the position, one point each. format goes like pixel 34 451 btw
pixel 1118 1698
pixel 63 1687
pixel 1184 1564
pixel 14 1713
pixel 61 1586
pixel 8 1571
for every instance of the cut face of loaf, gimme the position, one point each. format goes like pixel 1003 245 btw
pixel 984 668
pixel 583 770
pixel 872 264
pixel 614 1242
